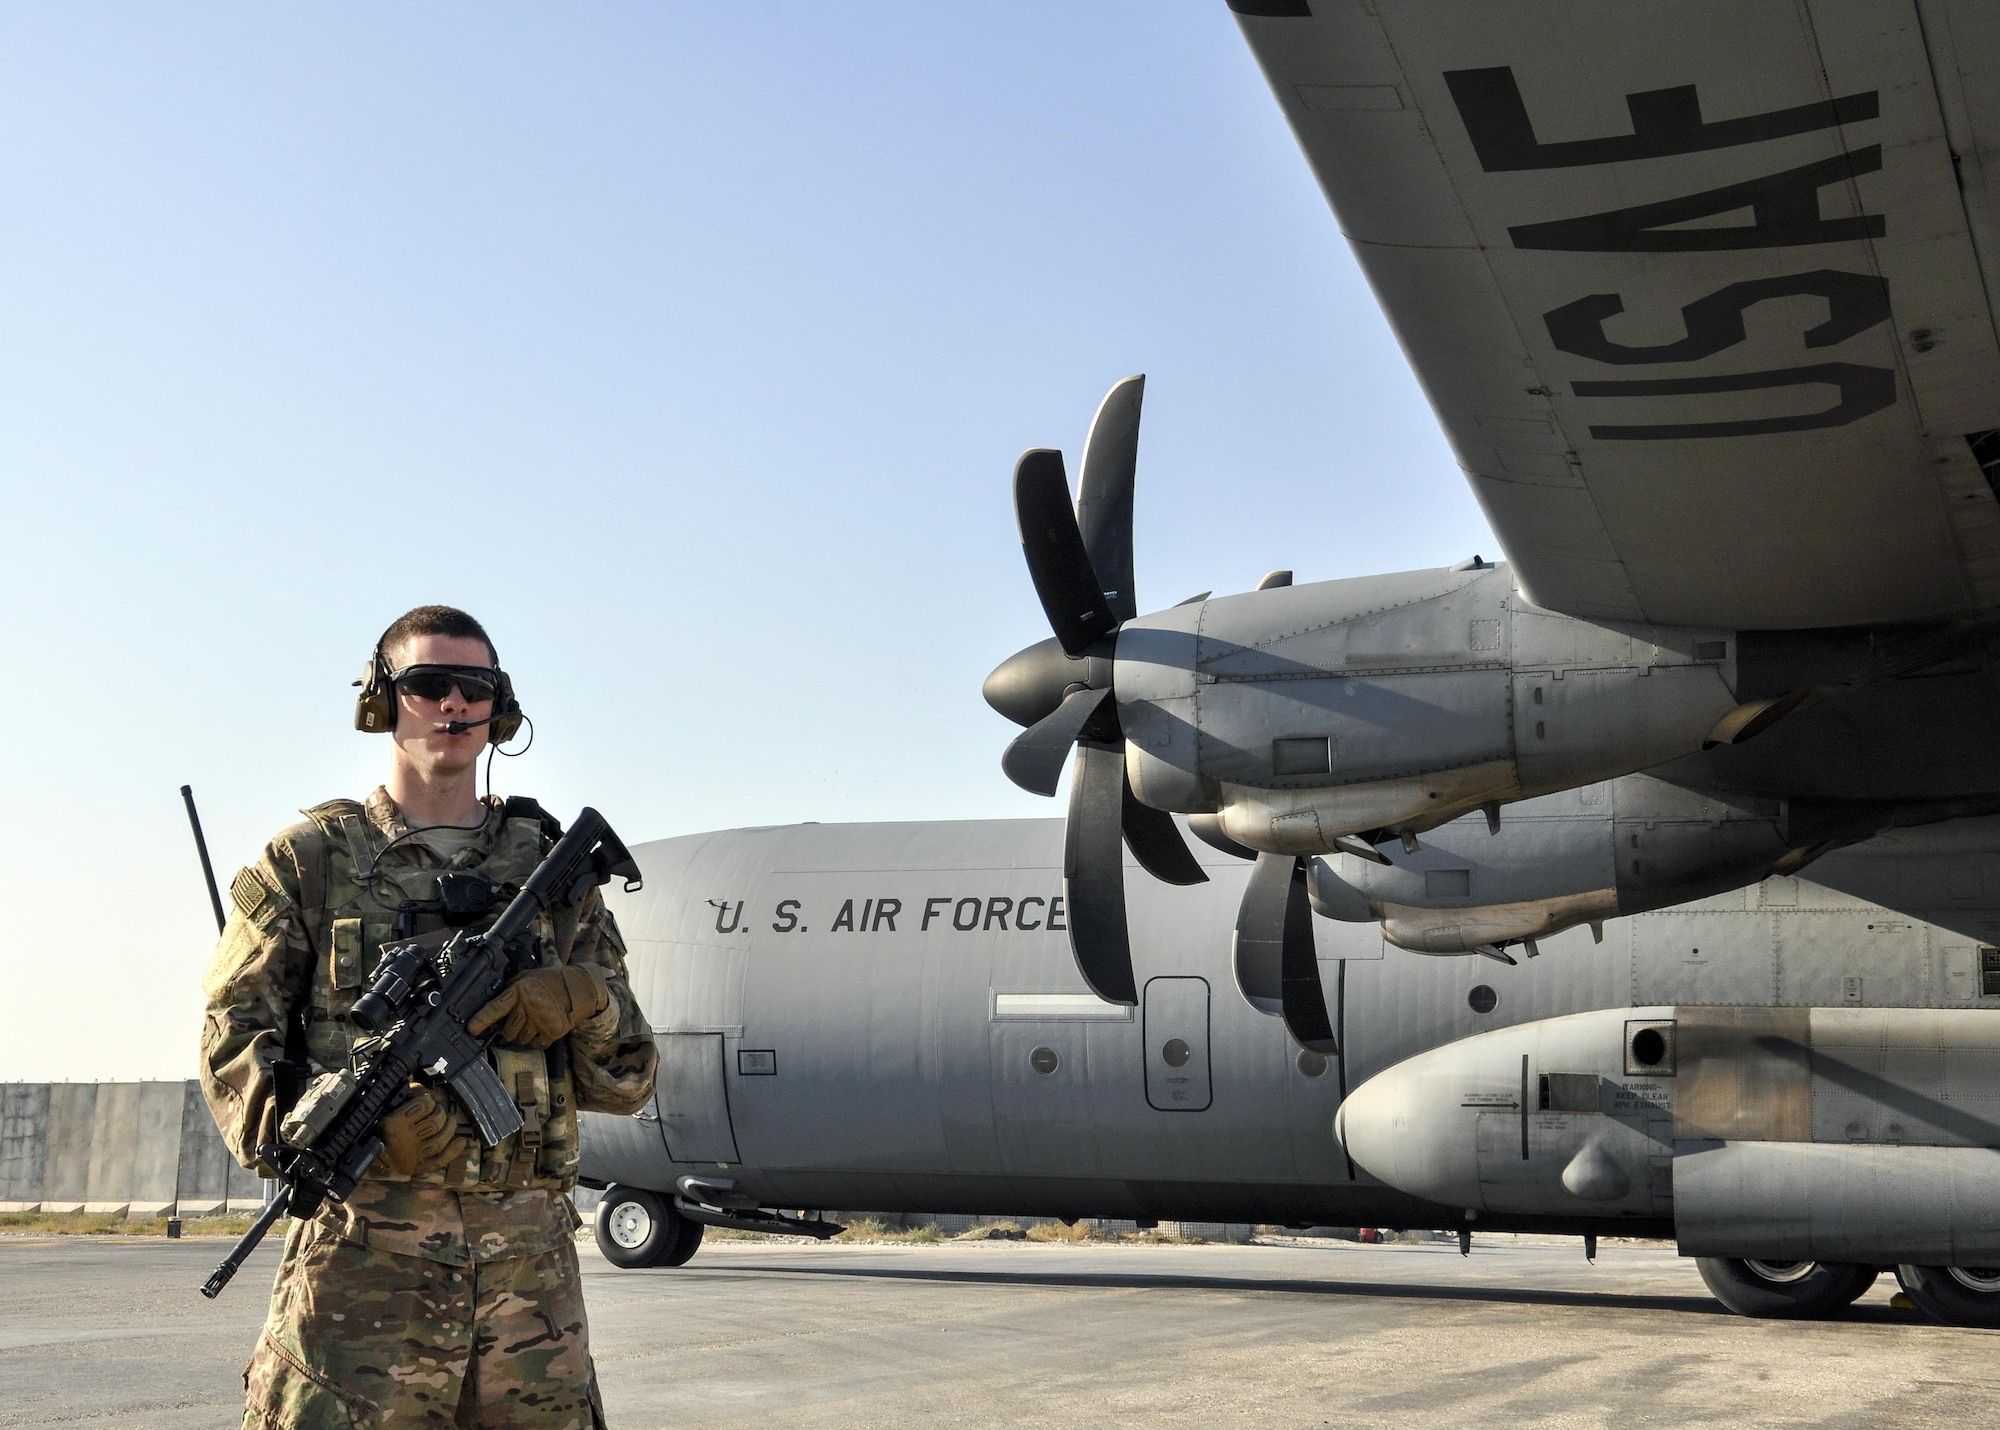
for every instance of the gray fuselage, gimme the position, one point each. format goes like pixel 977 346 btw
pixel 854 1016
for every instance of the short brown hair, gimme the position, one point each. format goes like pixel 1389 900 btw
pixel 434 621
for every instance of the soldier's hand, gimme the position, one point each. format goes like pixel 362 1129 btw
pixel 418 1137
pixel 544 1005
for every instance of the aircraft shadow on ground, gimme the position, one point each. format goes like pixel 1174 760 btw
pixel 1136 1281
pixel 1495 1295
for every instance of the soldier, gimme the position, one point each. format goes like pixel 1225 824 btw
pixel 445 1290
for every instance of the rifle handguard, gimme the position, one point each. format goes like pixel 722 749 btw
pixel 315 1112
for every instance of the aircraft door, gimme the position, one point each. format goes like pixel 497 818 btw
pixel 693 1099
pixel 1176 1038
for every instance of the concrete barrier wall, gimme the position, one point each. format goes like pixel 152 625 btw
pixel 207 1178
pixel 72 1117
pixel 24 1143
pixel 156 1156
pixel 118 1149
pixel 114 1144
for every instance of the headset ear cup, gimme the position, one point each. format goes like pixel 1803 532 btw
pixel 507 710
pixel 375 706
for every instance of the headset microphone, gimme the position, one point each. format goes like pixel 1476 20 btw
pixel 459 727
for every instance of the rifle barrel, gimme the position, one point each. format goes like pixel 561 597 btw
pixel 226 1272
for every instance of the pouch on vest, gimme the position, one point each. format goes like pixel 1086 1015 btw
pixel 559 1149
pixel 525 1072
pixel 347 959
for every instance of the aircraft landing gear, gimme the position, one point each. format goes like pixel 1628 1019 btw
pixel 1955 1295
pixel 637 1228
pixel 1790 1289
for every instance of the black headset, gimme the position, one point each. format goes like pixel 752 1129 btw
pixel 375 707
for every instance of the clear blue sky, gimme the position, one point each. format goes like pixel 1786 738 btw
pixel 688 345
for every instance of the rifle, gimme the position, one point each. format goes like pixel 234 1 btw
pixel 417 1004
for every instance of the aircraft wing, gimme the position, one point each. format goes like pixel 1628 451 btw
pixel 1698 288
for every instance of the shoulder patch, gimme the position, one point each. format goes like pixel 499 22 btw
pixel 249 893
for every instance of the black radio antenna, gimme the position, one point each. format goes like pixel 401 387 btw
pixel 201 848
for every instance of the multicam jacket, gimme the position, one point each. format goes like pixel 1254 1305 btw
pixel 309 919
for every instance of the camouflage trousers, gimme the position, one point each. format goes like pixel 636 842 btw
pixel 364 1339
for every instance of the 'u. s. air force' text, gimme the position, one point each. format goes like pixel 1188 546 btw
pixel 994 914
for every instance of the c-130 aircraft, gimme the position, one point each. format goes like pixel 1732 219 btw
pixel 1691 801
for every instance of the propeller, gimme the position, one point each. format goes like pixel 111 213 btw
pixel 1277 963
pixel 1080 560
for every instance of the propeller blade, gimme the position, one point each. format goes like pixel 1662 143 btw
pixel 1094 873
pixel 1104 493
pixel 1260 934
pixel 1277 967
pixel 1058 564
pixel 1304 998
pixel 1157 844
pixel 1034 760
pixel 1208 829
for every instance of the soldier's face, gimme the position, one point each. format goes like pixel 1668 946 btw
pixel 421 738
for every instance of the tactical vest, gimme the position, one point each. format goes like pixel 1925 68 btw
pixel 371 894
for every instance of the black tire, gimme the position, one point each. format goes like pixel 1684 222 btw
pixel 637 1228
pixel 1955 1295
pixel 685 1244
pixel 1794 1290
pixel 1862 1280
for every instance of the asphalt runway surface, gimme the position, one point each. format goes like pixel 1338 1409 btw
pixel 111 1331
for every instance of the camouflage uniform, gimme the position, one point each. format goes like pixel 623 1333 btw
pixel 451 1298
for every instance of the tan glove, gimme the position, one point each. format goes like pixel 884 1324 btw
pixel 543 1005
pixel 418 1137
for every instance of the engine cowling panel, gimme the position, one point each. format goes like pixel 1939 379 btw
pixel 1623 846
pixel 1306 713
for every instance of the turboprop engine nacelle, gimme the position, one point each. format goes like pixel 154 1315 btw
pixel 1397 703
pixel 1624 846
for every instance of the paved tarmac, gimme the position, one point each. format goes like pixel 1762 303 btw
pixel 112 1332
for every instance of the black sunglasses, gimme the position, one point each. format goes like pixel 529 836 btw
pixel 434 682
